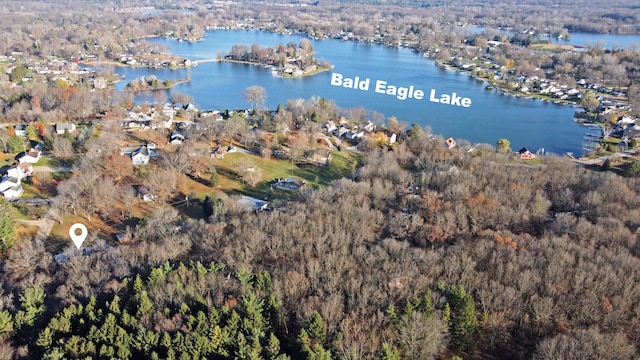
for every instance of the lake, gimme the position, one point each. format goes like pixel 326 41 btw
pixel 492 115
pixel 608 41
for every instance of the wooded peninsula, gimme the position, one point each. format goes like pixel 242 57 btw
pixel 289 60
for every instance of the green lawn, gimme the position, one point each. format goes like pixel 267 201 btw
pixel 53 162
pixel 342 164
pixel 7 159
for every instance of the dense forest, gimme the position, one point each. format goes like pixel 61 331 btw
pixel 420 250
pixel 417 251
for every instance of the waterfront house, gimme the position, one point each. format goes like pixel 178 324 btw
pixel 450 143
pixel 383 138
pixel 368 126
pixel 525 153
pixel 330 126
pixel 99 83
pixel 341 131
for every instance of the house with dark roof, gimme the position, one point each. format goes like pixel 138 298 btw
pixel 525 153
pixel 20 129
pixel 140 156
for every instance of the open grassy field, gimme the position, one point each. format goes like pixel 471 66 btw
pixel 341 165
pixel 551 47
pixel 7 160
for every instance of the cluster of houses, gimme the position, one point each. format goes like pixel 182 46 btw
pixel 60 128
pixel 151 120
pixel 11 183
pixel 626 127
pixel 533 84
pixel 164 119
pixel 132 60
pixel 292 69
pixel 344 130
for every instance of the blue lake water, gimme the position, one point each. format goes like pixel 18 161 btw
pixel 491 116
pixel 608 41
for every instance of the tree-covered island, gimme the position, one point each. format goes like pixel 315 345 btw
pixel 291 60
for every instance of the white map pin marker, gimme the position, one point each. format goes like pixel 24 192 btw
pixel 78 239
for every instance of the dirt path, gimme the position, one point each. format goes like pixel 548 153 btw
pixel 52 169
pixel 44 224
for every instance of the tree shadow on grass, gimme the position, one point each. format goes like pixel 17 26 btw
pixel 199 180
pixel 55 244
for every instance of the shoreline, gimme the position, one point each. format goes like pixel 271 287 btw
pixel 280 73
pixel 172 83
pixel 497 85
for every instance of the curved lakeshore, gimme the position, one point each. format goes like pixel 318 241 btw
pixel 218 85
pixel 279 72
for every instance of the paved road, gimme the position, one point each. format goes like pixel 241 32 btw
pixel 44 224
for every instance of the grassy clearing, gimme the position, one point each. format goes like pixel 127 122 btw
pixel 535 161
pixel 54 162
pixel 26 231
pixel 7 160
pixel 551 47
pixel 342 164
pixel 59 237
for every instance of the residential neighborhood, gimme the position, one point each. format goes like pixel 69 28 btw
pixel 168 195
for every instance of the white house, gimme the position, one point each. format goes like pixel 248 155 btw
pixel 252 204
pixel 32 156
pixel 20 171
pixel 8 182
pixel 20 129
pixel 13 192
pixel 140 156
pixel 330 126
pixel 368 126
